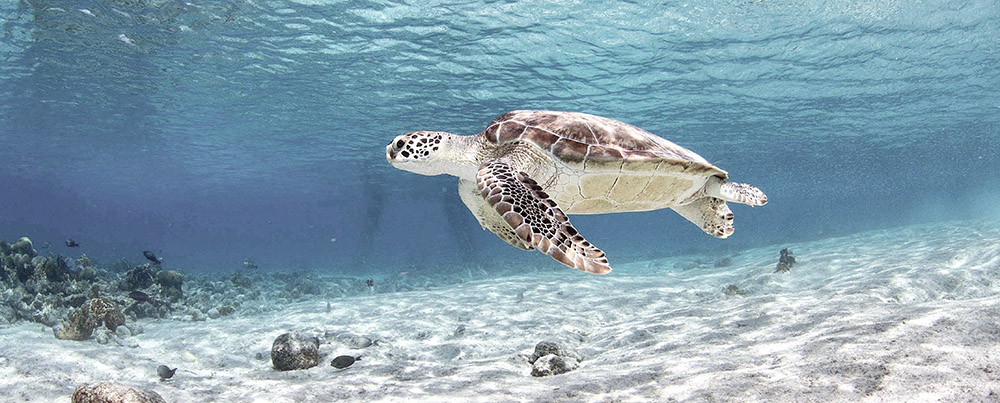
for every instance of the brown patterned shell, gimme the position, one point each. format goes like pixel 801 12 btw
pixel 593 142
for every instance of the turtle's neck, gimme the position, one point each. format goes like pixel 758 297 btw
pixel 466 154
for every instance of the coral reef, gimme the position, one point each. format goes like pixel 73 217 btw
pixel 78 296
pixel 82 321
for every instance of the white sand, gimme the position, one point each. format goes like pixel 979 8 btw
pixel 904 314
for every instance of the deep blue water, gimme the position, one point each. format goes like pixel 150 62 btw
pixel 212 132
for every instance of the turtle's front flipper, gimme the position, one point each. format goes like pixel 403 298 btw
pixel 487 216
pixel 536 219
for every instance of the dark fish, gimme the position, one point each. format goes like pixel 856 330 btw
pixel 152 258
pixel 71 243
pixel 139 296
pixel 344 361
pixel 165 372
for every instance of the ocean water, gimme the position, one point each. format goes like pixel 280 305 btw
pixel 215 132
pixel 219 131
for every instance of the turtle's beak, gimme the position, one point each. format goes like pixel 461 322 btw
pixel 389 153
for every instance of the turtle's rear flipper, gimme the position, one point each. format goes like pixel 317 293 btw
pixel 711 214
pixel 742 193
pixel 536 219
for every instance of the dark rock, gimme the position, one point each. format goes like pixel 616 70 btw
pixel 549 347
pixel 785 261
pixel 553 365
pixel 226 310
pixel 139 277
pixel 240 280
pixel 106 392
pixel 172 294
pixel 294 351
pixel 88 274
pixel 170 279
pixel 732 289
pixel 75 300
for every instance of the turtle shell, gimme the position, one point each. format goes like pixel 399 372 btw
pixel 606 165
pixel 597 143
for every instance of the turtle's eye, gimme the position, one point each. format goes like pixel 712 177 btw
pixel 400 143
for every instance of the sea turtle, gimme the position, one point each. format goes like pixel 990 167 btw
pixel 528 169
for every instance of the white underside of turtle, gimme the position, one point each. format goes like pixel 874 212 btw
pixel 527 170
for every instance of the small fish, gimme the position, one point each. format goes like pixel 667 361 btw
pixel 152 258
pixel 45 245
pixel 249 264
pixel 123 38
pixel 139 296
pixel 344 361
pixel 165 372
pixel 86 11
pixel 71 243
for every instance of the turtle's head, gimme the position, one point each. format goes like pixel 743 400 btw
pixel 431 153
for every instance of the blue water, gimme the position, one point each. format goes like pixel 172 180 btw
pixel 218 131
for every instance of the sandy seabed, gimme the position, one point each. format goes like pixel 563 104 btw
pixel 905 314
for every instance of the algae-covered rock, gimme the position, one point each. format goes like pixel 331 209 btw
pixel 550 347
pixel 553 365
pixel 139 277
pixel 106 392
pixel 226 310
pixel 294 351
pixel 51 270
pixel 170 282
pixel 79 326
pixel 550 358
pixel 82 321
pixel 170 278
pixel 103 310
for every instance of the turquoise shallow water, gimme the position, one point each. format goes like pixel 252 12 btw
pixel 216 132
